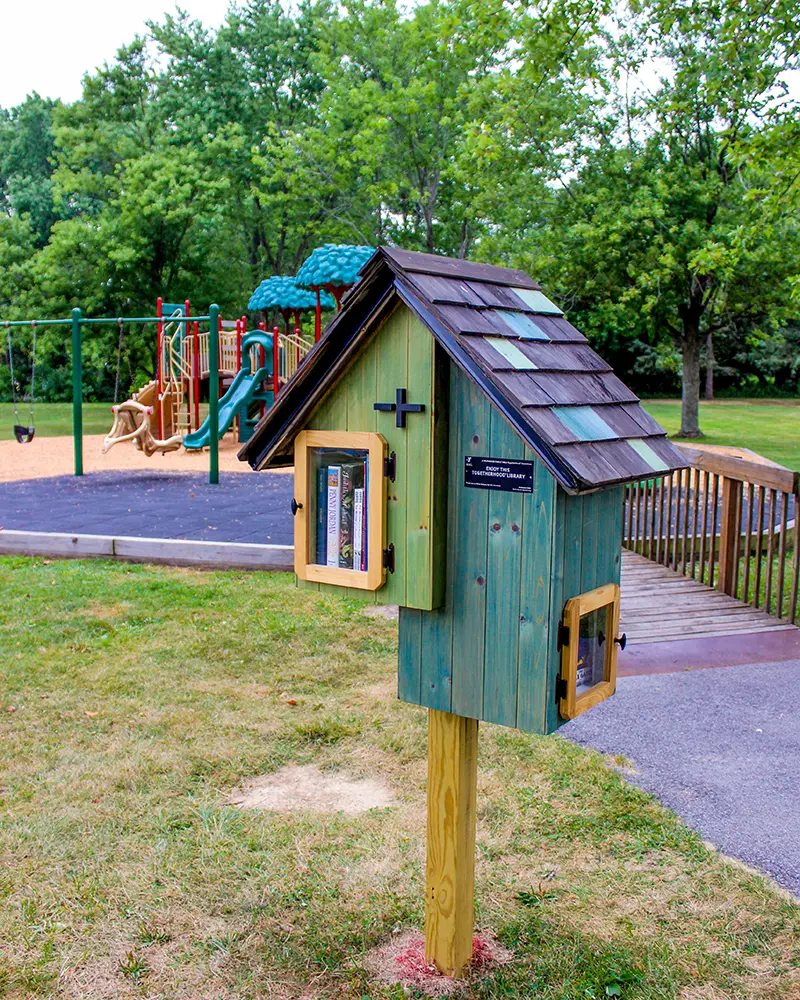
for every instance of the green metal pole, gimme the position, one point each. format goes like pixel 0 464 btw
pixel 213 394
pixel 77 391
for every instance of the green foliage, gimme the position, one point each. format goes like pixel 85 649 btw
pixel 660 210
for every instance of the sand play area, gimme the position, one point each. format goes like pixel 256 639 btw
pixel 53 456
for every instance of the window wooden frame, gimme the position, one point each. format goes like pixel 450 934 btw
pixel 375 445
pixel 571 703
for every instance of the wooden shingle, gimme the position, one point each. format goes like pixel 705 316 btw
pixel 608 438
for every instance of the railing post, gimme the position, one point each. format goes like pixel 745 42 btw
pixel 731 525
pixel 77 391
pixel 213 394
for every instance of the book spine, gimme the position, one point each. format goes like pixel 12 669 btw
pixel 364 547
pixel 321 550
pixel 333 514
pixel 346 519
pixel 358 529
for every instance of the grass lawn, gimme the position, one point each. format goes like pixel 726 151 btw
pixel 55 419
pixel 771 428
pixel 141 696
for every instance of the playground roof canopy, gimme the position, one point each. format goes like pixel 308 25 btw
pixel 282 292
pixel 333 264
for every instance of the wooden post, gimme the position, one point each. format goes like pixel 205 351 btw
pixel 450 889
pixel 730 525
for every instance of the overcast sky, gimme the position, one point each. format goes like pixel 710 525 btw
pixel 47 45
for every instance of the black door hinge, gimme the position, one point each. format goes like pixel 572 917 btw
pixel 390 466
pixel 388 558
pixel 563 636
pixel 561 689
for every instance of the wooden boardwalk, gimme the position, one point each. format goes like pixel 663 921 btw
pixel 659 605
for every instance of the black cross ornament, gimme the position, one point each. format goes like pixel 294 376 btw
pixel 401 408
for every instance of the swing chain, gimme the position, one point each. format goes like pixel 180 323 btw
pixel 33 372
pixel 23 435
pixel 119 358
pixel 11 370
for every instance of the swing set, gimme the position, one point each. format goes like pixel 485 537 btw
pixel 25 433
pixel 22 432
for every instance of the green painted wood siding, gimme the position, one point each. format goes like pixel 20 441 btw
pixel 587 554
pixel 402 354
pixel 483 654
pixel 512 561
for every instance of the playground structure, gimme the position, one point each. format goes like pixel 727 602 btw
pixel 252 367
pixel 242 371
pixel 332 270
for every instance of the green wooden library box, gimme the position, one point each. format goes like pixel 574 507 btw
pixel 460 451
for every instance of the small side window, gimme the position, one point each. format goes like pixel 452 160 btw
pixel 588 638
pixel 340 508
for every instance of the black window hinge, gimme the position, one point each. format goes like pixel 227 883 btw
pixel 561 689
pixel 388 558
pixel 563 636
pixel 390 466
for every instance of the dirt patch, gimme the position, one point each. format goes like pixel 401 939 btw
pixel 307 789
pixel 401 961
pixel 390 611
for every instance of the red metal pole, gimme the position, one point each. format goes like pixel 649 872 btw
pixel 276 357
pixel 239 344
pixel 184 341
pixel 318 326
pixel 287 332
pixel 196 373
pixel 160 367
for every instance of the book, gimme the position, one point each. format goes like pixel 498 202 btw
pixel 321 548
pixel 364 547
pixel 333 514
pixel 358 528
pixel 352 479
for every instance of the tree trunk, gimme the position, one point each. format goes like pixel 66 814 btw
pixel 690 399
pixel 710 361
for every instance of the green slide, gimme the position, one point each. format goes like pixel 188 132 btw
pixel 237 396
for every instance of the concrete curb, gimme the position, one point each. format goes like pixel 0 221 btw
pixel 167 551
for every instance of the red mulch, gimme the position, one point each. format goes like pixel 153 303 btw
pixel 402 960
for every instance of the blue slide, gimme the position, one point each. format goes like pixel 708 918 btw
pixel 237 396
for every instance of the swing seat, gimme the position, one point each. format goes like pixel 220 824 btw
pixel 24 435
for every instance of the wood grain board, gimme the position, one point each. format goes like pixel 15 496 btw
pixel 660 605
pixel 450 869
pixel 513 560
pixel 400 355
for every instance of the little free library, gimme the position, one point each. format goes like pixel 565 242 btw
pixel 459 450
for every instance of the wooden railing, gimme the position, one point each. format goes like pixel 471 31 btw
pixel 228 353
pixel 728 522
pixel 293 349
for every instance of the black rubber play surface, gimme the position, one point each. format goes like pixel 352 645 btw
pixel 242 508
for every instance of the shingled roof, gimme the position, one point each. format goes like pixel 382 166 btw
pixel 503 331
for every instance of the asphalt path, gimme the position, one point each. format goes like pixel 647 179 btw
pixel 721 748
pixel 242 508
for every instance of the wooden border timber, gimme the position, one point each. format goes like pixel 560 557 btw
pixel 164 551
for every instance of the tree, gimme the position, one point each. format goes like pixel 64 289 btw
pixel 393 121
pixel 652 231
pixel 26 149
